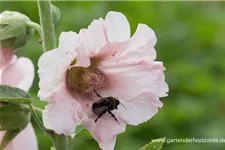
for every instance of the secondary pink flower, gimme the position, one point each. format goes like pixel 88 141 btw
pixel 6 55
pixel 102 58
pixel 18 73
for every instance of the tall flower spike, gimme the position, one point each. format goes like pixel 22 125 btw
pixel 102 59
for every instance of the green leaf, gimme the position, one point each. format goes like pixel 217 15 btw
pixel 14 117
pixel 156 144
pixel 14 95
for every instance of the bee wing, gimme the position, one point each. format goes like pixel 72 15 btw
pixel 99 110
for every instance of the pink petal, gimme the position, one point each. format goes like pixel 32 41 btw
pixel 139 109
pixel 143 35
pixel 129 81
pixel 68 41
pixel 107 53
pixel 143 41
pixel 52 71
pixel 19 74
pixel 117 27
pixel 82 61
pixel 25 140
pixel 163 88
pixel 6 55
pixel 139 49
pixel 105 130
pixel 62 114
pixel 92 39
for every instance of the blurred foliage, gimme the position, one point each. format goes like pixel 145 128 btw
pixel 191 43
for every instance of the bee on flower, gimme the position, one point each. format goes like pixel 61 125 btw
pixel 102 78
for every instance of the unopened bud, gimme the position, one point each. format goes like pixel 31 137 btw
pixel 14 30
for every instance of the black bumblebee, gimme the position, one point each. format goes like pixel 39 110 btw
pixel 104 105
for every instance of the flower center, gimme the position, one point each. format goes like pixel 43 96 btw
pixel 85 80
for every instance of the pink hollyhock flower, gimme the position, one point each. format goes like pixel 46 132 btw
pixel 102 59
pixel 18 73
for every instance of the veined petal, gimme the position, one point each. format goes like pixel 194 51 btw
pixel 19 74
pixel 82 61
pixel 93 38
pixel 68 41
pixel 143 40
pixel 139 109
pixel 62 114
pixel 117 27
pixel 105 130
pixel 52 71
pixel 163 88
pixel 129 81
pixel 137 50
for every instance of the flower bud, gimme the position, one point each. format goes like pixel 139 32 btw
pixel 55 13
pixel 14 30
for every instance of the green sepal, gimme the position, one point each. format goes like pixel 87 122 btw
pixel 155 145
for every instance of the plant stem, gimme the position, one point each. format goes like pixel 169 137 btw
pixel 62 142
pixel 37 113
pixel 47 25
pixel 36 117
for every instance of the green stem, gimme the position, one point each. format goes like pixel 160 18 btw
pixel 37 113
pixel 36 26
pixel 61 142
pixel 36 117
pixel 47 25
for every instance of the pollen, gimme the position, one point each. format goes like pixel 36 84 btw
pixel 93 81
pixel 85 80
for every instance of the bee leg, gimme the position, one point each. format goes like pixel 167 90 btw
pixel 100 116
pixel 113 116
pixel 98 94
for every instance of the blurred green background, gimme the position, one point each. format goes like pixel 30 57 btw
pixel 191 43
